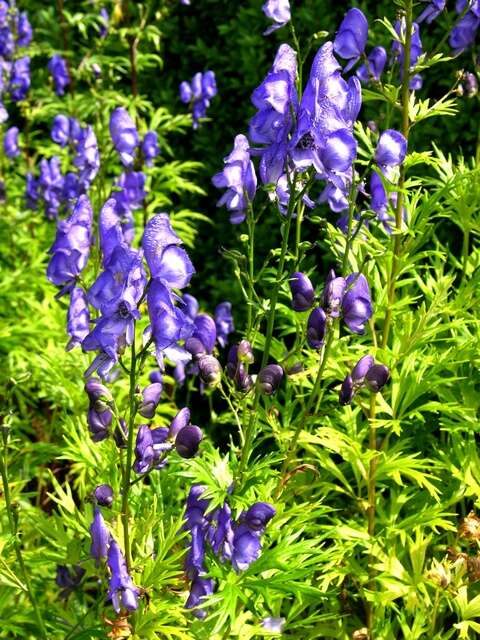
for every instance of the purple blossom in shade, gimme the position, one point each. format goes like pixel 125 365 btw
pixel 104 21
pixel 351 37
pixel 464 32
pixel 239 179
pixel 199 590
pixel 68 579
pixel 258 516
pixel 24 30
pixel 279 12
pixel 188 440
pixel 31 192
pixel 99 416
pixel 205 331
pixel 246 545
pixel 150 148
pixel 316 328
pixel 150 399
pixel 376 377
pixel 469 84
pixel 122 590
pixel 78 318
pixel 391 149
pixel 356 304
pixel 374 66
pixel 10 143
pixel 131 195
pixel 333 294
pixel 87 158
pixel 144 451
pixel 61 130
pixel 100 536
pixel 199 93
pixel 346 393
pixel 364 374
pixel 302 291
pixel 360 370
pixel 236 369
pixel 431 11
pixel 416 51
pixel 71 248
pixel 274 625
pixel 104 495
pixel 224 322
pixel 210 370
pixel 277 102
pixel 60 74
pixel 99 423
pixel 269 379
pixel 20 79
pixel 124 135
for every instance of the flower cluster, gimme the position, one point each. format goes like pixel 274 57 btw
pixel 236 541
pixel 364 374
pixel 415 51
pixel 464 32
pixel 198 94
pixel 15 33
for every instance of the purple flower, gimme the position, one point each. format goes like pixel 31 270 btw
pixel 364 374
pixel 10 143
pixel 99 416
pixel 104 20
pixel 269 378
pixel 316 327
pixel 356 303
pixel 51 185
pixel 224 322
pixel 236 369
pixel 150 399
pixel 333 294
pixel 20 79
pixel 469 84
pixel 78 318
pixel 104 495
pixel 239 179
pixel 351 37
pixel 210 370
pixel 188 440
pixel 198 93
pixel 464 32
pixel 205 332
pixel 199 590
pixel 346 392
pixel 31 192
pixel 87 158
pixel 432 11
pixel 68 579
pixel 61 130
pixel 24 30
pixel 131 195
pixel 101 537
pixel 144 451
pixel 150 147
pixel 59 70
pixel 373 69
pixel 302 291
pixel 279 12
pixel 258 516
pixel 122 590
pixel 124 135
pixel 415 51
pixel 71 248
pixel 391 149
pixel 180 421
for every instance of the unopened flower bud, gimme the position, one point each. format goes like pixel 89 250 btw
pixel 376 377
pixel 245 352
pixel 346 391
pixel 150 399
pixel 104 495
pixel 361 369
pixel 188 440
pixel 179 422
pixel 99 424
pixel 269 378
pixel 302 291
pixel 210 370
pixel 195 347
pixel 99 395
pixel 470 84
pixel 316 325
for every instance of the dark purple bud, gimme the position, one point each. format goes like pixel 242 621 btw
pixel 156 376
pixel 357 304
pixel 210 370
pixel 151 398
pixel 376 377
pixel 269 378
pixel 100 537
pixel 104 495
pixel 144 451
pixel 316 326
pixel 188 440
pixel 360 370
pixel 199 590
pixel 179 422
pixel 243 379
pixel 205 331
pixel 333 294
pixel 346 391
pixel 120 434
pixel 195 347
pixel 68 579
pixel 470 84
pixel 391 149
pixel 99 424
pixel 245 352
pixel 259 515
pixel 296 367
pixel 302 290
pixel 98 394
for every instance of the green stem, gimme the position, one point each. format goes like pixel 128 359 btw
pixel 397 242
pixel 251 269
pixel 371 490
pixel 16 542
pixel 128 465
pixel 466 243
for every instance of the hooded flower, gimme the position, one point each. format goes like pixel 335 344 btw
pixel 431 11
pixel 198 94
pixel 351 37
pixel 78 318
pixel 150 148
pixel 374 66
pixel 224 322
pixel 10 143
pixel 20 79
pixel 279 12
pixel 124 135
pixel 59 70
pixel 302 291
pixel 239 179
pixel 122 590
pixel 87 158
pixel 100 537
pixel 364 374
pixel 415 51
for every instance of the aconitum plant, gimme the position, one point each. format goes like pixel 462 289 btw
pixel 240 363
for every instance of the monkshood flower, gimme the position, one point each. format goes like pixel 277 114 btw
pixel 24 30
pixel 303 293
pixel 236 369
pixel 239 179
pixel 199 590
pixel 150 148
pixel 469 84
pixel 131 195
pixel 279 12
pixel 391 149
pixel 51 185
pixel 269 378
pixel 124 135
pixel 390 152
pixel 150 399
pixel 277 102
pixel 224 322
pixel 188 440
pixel 246 544
pixel 464 32
pixel 349 297
pixel 31 192
pixel 374 66
pixel 431 11
pixel 20 79
pixel 100 536
pixel 351 37
pixel 103 495
pixel 316 328
pixel 68 579
pixel 65 130
pixel 104 20
pixel 198 94
pixel 59 70
pixel 87 158
pixel 204 332
pixel 78 318
pixel 99 416
pixel 210 370
pixel 10 143
pixel 122 592
pixel 71 248
pixel 415 51
pixel 364 374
